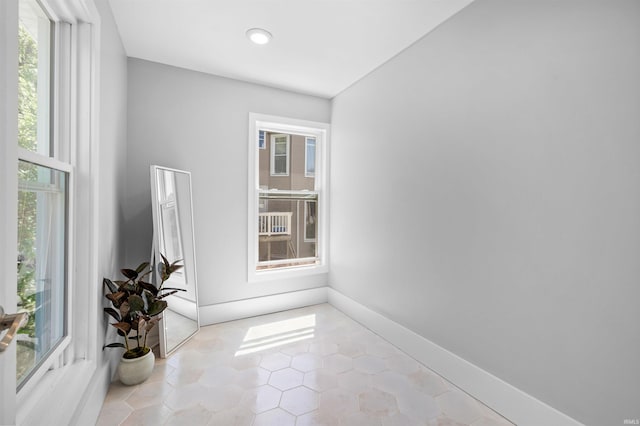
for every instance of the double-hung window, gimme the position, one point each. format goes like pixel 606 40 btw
pixel 46 176
pixel 288 196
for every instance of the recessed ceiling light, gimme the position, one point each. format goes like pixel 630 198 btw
pixel 259 36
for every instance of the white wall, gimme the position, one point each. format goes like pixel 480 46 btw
pixel 112 157
pixel 199 122
pixel 495 170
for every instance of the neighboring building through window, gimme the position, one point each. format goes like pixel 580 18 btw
pixel 288 189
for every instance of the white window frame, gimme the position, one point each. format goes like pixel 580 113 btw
pixel 54 390
pixel 283 125
pixel 272 155
pixel 307 173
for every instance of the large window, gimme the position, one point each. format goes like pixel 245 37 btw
pixel 288 197
pixel 48 202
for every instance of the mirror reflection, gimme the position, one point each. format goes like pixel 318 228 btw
pixel 174 238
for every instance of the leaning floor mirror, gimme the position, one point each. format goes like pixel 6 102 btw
pixel 174 239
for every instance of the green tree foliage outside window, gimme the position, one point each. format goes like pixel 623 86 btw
pixel 27 138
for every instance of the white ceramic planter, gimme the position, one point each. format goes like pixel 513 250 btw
pixel 136 370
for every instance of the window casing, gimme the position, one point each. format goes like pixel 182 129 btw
pixel 283 240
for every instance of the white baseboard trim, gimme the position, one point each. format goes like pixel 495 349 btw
pixel 512 403
pixel 229 311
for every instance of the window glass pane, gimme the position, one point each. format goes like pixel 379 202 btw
pixel 310 166
pixel 283 229
pixel 310 220
pixel 280 165
pixel 42 235
pixel 289 170
pixel 287 204
pixel 281 147
pixel 34 78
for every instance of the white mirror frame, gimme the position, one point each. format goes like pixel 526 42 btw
pixel 188 277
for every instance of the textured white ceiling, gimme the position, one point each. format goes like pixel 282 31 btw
pixel 319 47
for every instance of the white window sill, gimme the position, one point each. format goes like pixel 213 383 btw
pixel 289 272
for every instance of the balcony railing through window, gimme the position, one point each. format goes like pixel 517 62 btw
pixel 284 223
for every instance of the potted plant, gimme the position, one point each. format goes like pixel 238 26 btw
pixel 136 307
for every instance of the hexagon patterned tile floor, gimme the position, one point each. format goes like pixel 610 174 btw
pixel 309 366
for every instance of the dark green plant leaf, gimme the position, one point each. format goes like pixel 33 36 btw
pixel 136 303
pixel 124 310
pixel 167 294
pixel 145 274
pixel 174 268
pixel 151 323
pixel 114 345
pixel 173 288
pixel 122 326
pixel 149 287
pixel 156 307
pixel 116 298
pixel 142 267
pixel 129 273
pixel 129 287
pixel 113 313
pixel 162 271
pixel 165 270
pixel 112 287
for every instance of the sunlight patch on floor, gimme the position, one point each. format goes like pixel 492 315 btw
pixel 278 333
